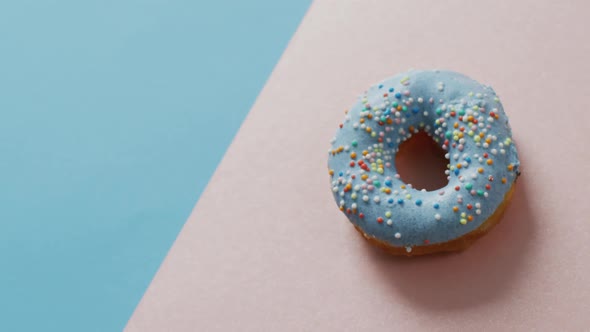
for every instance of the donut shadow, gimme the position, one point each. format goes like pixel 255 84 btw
pixel 486 271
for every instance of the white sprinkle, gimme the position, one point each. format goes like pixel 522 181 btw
pixel 376 199
pixel 366 198
pixel 335 189
pixel 494 151
pixel 408 249
pixel 397 235
pixel 478 211
pixel 389 222
pixel 437 216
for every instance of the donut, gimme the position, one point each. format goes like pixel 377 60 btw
pixel 463 117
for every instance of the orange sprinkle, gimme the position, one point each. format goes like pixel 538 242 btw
pixel 331 172
pixel 389 121
pixel 489 161
pixel 456 125
pixel 455 209
pixel 403 186
pixel 470 217
pixel 362 120
pixel 364 177
pixel 459 166
pixel 503 180
pixel 365 152
pixel 510 167
pixel 368 129
pixel 353 155
pixel 480 170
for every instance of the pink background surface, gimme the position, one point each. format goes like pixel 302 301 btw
pixel 266 248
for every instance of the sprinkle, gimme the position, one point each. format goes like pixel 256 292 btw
pixel 397 235
pixel 437 216
pixel 419 202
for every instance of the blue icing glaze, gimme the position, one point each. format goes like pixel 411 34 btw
pixel 431 101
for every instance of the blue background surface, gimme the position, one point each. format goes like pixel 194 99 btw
pixel 113 116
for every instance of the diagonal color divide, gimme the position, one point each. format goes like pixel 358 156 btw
pixel 113 116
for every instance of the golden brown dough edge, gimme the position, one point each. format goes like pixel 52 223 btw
pixel 457 244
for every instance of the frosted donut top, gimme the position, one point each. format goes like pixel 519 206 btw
pixel 467 120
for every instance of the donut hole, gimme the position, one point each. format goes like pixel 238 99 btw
pixel 421 162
